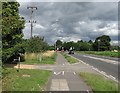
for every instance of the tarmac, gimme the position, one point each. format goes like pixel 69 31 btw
pixel 64 79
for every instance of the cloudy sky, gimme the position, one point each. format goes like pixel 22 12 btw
pixel 71 21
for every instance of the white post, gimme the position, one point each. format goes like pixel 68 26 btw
pixel 18 64
pixel 40 57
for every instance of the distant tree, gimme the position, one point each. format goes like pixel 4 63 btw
pixel 90 41
pixel 85 46
pixel 80 41
pixel 114 47
pixel 58 43
pixel 67 45
pixel 12 25
pixel 52 47
pixel 102 43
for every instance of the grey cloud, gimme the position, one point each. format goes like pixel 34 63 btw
pixel 69 14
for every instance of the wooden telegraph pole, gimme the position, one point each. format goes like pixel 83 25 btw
pixel 31 21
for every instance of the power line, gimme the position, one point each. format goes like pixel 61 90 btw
pixel 32 21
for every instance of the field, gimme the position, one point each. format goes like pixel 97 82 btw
pixel 99 83
pixel 48 57
pixel 25 80
pixel 70 59
pixel 102 53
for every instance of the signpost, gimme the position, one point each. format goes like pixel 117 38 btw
pixel 19 63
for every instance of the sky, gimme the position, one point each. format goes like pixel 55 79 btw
pixel 71 21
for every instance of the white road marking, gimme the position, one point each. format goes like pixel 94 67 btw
pixel 112 77
pixel 108 76
pixel 63 64
pixel 101 59
pixel 87 91
pixel 57 73
pixel 63 72
pixel 59 85
pixel 74 73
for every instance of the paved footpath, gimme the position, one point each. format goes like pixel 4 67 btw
pixel 64 79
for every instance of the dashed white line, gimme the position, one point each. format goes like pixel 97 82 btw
pixel 87 91
pixel 74 73
pixel 63 72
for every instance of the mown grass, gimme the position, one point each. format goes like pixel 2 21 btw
pixel 102 53
pixel 99 83
pixel 70 59
pixel 25 80
pixel 44 59
pixel 0 70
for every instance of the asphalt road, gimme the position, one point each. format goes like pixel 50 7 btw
pixel 100 63
pixel 105 57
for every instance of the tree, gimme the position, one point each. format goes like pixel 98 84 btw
pixel 84 46
pixel 58 43
pixel 12 25
pixel 52 47
pixel 35 44
pixel 67 45
pixel 102 43
pixel 90 41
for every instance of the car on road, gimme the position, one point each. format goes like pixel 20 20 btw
pixel 71 52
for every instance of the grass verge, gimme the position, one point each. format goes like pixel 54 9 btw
pixel 45 60
pixel 102 53
pixel 99 83
pixel 25 80
pixel 70 59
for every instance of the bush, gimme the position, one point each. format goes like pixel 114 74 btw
pixel 22 58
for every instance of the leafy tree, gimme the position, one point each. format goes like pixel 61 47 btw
pixel 84 46
pixel 58 43
pixel 35 44
pixel 78 46
pixel 90 41
pixel 67 45
pixel 102 43
pixel 52 47
pixel 12 25
pixel 115 47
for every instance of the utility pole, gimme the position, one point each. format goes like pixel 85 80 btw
pixel 31 21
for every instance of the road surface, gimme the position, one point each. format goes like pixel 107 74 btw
pixel 108 65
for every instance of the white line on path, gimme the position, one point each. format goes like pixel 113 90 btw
pixel 59 85
pixel 74 73
pixel 57 73
pixel 63 72
pixel 87 91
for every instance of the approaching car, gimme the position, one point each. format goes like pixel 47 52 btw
pixel 71 52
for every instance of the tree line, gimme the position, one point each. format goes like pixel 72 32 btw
pixel 101 43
